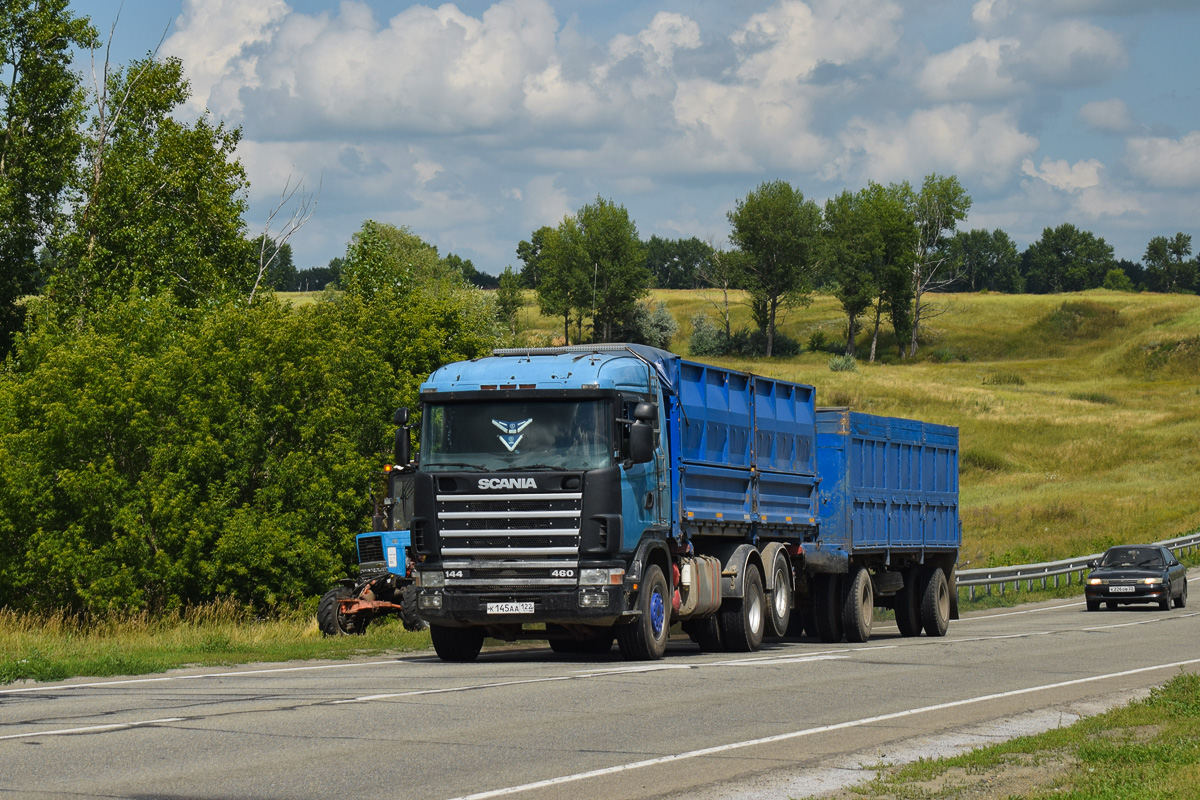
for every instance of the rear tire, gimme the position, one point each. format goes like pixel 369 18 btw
pixel 858 608
pixel 743 619
pixel 704 632
pixel 456 644
pixel 1181 601
pixel 779 602
pixel 908 604
pixel 330 618
pixel 827 607
pixel 935 604
pixel 645 639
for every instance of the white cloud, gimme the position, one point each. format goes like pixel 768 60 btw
pixel 972 71
pixel 1110 115
pixel 545 203
pixel 1064 176
pixel 1073 53
pixel 1165 163
pixel 951 138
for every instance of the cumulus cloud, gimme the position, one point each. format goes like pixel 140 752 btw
pixel 1165 163
pixel 951 138
pixel 1110 115
pixel 973 71
pixel 1073 53
pixel 1064 176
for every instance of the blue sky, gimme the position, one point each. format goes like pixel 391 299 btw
pixel 475 123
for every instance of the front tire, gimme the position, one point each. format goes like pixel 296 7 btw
pixel 858 608
pixel 330 618
pixel 645 639
pixel 1093 605
pixel 935 604
pixel 743 620
pixel 456 644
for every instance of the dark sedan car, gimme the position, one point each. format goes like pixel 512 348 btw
pixel 1139 573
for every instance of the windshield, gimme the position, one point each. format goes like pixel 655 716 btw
pixel 1133 557
pixel 517 434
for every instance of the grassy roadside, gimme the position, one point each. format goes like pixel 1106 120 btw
pixel 1147 749
pixel 59 647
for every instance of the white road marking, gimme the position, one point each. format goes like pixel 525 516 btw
pixel 92 728
pixel 200 676
pixel 724 748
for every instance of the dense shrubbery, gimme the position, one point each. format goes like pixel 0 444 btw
pixel 709 340
pixel 153 456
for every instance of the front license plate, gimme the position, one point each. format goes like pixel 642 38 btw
pixel 1115 589
pixel 510 608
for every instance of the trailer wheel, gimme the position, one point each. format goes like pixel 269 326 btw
pixel 645 639
pixel 743 619
pixel 330 618
pixel 704 632
pixel 827 607
pixel 908 604
pixel 456 644
pixel 408 613
pixel 780 601
pixel 935 604
pixel 858 609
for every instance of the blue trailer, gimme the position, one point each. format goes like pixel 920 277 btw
pixel 592 493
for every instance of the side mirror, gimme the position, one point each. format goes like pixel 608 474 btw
pixel 400 417
pixel 1093 564
pixel 641 442
pixel 645 412
pixel 402 448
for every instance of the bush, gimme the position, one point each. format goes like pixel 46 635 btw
pixel 707 338
pixel 654 327
pixel 843 363
pixel 1004 379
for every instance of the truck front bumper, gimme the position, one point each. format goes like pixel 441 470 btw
pixel 586 605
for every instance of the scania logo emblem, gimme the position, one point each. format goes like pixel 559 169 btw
pixel 507 483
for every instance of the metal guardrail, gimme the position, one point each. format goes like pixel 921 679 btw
pixel 1028 573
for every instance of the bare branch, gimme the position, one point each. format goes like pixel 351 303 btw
pixel 301 213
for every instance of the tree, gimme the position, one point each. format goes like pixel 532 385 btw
pixel 563 280
pixel 721 272
pixel 616 260
pixel 314 279
pixel 778 231
pixel 157 204
pixel 676 263
pixel 41 111
pixel 530 253
pixel 386 258
pixel 1067 259
pixel 471 275
pixel 940 205
pixel 279 272
pixel 1168 268
pixel 508 298
pixel 989 261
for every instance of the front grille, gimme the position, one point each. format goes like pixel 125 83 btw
pixel 370 548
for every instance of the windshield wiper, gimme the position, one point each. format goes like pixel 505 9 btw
pixel 475 467
pixel 526 467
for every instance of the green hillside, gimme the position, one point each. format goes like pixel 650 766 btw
pixel 1079 414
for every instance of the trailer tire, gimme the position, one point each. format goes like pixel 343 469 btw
pixel 779 603
pixel 935 604
pixel 456 644
pixel 330 618
pixel 408 613
pixel 704 632
pixel 743 620
pixel 858 607
pixel 645 639
pixel 827 607
pixel 908 604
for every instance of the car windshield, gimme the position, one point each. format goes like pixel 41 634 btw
pixel 1132 557
pixel 517 435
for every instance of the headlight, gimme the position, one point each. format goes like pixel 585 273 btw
pixel 1095 581
pixel 601 577
pixel 431 578
pixel 1152 581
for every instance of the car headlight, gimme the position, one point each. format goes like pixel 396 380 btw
pixel 601 577
pixel 1095 581
pixel 1152 581
pixel 430 578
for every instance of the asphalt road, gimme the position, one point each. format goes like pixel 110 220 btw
pixel 527 723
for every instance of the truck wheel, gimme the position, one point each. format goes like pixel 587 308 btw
pixel 908 604
pixel 743 619
pixel 935 604
pixel 594 644
pixel 456 644
pixel 780 601
pixel 645 639
pixel 704 632
pixel 408 614
pixel 330 618
pixel 858 609
pixel 827 607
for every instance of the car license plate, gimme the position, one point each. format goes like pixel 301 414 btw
pixel 1115 589
pixel 510 608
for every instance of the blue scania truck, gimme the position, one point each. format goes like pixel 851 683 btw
pixel 589 493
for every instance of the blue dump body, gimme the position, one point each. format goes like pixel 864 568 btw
pixel 742 451
pixel 384 547
pixel 583 493
pixel 888 485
